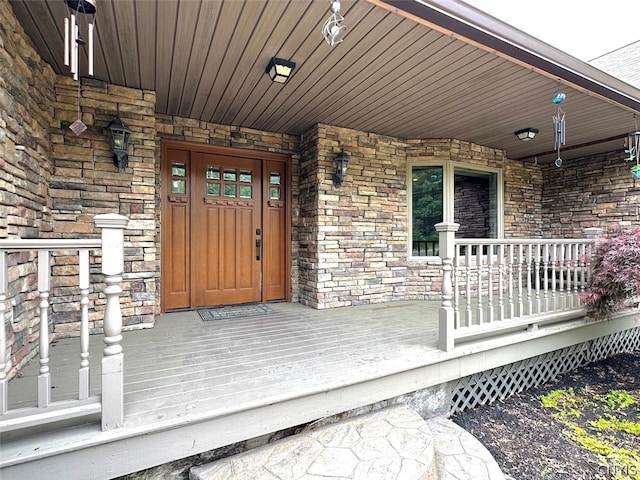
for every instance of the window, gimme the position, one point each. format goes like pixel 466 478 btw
pixel 468 195
pixel 426 208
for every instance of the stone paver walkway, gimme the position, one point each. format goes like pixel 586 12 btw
pixel 459 455
pixel 390 444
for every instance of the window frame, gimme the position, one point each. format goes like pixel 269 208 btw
pixel 449 168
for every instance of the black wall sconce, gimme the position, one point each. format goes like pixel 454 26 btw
pixel 279 70
pixel 119 134
pixel 340 162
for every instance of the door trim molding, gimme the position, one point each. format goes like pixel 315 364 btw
pixel 229 152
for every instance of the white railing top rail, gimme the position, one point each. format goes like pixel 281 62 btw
pixel 521 241
pixel 15 244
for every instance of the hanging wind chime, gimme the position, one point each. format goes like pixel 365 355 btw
pixel 558 125
pixel 632 148
pixel 333 27
pixel 72 38
pixel 72 41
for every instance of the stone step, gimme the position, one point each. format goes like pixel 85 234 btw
pixel 459 455
pixel 390 444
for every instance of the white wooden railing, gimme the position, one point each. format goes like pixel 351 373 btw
pixel 110 403
pixel 491 287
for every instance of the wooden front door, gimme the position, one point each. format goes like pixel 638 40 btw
pixel 223 228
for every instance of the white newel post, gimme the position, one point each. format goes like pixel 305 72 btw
pixel 594 234
pixel 446 326
pixel 112 226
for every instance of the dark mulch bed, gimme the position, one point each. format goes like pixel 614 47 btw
pixel 530 444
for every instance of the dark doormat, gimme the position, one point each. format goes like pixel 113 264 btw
pixel 234 311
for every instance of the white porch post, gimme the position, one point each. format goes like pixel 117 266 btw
pixel 592 233
pixel 112 226
pixel 446 324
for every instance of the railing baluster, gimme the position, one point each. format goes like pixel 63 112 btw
pixel 510 302
pixel 583 267
pixel 536 273
pixel 545 275
pixel 490 284
pixel 456 288
pixel 501 282
pixel 529 260
pixel 576 272
pixel 83 375
pixel 468 276
pixel 520 290
pixel 5 355
pixel 561 276
pixel 554 263
pixel 44 379
pixel 479 269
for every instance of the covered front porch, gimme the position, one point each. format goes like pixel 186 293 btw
pixel 191 386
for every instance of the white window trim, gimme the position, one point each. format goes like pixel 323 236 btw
pixel 448 171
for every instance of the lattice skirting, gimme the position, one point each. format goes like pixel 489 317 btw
pixel 499 383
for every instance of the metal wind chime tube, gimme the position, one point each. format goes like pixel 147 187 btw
pixel 333 27
pixel 559 126
pixel 72 38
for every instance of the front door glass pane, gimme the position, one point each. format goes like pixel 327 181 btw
pixel 245 191
pixel 229 190
pixel 245 176
pixel 213 173
pixel 178 169
pixel 213 189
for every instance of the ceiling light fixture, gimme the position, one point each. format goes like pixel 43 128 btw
pixel 526 134
pixel 279 70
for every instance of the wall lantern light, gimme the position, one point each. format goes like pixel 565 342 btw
pixel 279 70
pixel 340 162
pixel 526 134
pixel 119 134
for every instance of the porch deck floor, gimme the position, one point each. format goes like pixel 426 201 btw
pixel 184 368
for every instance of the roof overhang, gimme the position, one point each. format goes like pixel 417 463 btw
pixel 407 68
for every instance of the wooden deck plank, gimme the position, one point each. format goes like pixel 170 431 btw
pixel 183 356
pixel 181 417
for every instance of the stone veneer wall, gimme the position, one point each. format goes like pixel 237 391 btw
pixel 597 191
pixel 353 239
pixel 85 183
pixel 26 111
pixel 190 130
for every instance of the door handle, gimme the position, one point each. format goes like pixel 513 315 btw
pixel 258 245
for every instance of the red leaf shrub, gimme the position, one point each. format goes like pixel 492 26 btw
pixel 615 267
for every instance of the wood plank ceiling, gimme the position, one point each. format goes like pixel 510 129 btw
pixel 392 75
